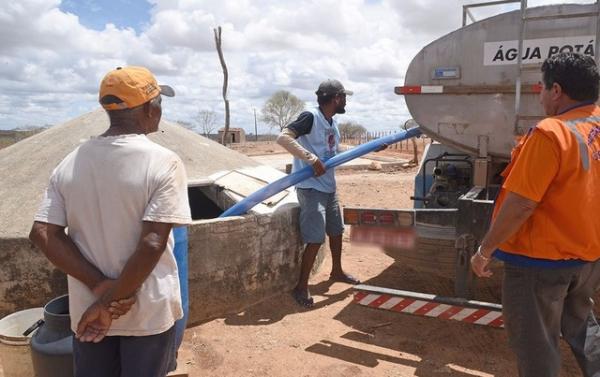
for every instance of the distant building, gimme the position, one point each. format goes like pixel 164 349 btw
pixel 235 135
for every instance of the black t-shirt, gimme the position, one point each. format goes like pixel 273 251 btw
pixel 303 124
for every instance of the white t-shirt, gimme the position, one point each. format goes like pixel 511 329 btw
pixel 103 191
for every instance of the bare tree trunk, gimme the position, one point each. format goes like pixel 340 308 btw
pixel 218 40
pixel 415 151
pixel 405 127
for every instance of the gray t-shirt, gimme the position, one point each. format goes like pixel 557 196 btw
pixel 322 140
pixel 102 192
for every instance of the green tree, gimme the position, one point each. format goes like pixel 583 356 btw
pixel 351 130
pixel 281 108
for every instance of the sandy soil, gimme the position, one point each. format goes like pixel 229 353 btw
pixel 339 338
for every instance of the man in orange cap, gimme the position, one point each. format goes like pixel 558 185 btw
pixel 119 194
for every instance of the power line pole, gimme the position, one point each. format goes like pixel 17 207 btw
pixel 255 128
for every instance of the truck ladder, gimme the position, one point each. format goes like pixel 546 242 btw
pixel 518 89
pixel 520 67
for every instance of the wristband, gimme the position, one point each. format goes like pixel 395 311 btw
pixel 480 254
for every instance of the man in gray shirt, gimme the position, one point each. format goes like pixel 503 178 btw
pixel 312 139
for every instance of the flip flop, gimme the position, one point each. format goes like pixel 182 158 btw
pixel 302 299
pixel 348 279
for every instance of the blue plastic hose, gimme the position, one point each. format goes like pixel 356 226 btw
pixel 289 180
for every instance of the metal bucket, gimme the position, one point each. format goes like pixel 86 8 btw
pixel 14 346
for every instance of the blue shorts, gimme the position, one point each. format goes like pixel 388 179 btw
pixel 319 214
pixel 126 356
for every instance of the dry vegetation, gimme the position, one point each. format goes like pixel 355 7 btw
pixel 10 137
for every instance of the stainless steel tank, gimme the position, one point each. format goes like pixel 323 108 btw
pixel 461 88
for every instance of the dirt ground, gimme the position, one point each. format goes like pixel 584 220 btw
pixel 338 338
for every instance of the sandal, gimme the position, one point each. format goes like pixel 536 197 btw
pixel 345 278
pixel 303 299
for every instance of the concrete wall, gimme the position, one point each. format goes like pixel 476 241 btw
pixel 27 279
pixel 236 262
pixel 233 263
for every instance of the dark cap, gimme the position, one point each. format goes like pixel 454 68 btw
pixel 332 87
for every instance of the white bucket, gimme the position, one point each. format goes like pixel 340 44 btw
pixel 14 347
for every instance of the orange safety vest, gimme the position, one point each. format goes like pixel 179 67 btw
pixel 558 165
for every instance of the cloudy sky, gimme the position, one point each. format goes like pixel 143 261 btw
pixel 54 53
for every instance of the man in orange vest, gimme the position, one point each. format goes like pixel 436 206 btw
pixel 544 227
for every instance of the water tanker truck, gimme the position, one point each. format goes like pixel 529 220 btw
pixel 475 92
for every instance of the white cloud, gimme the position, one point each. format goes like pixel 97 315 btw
pixel 51 64
pixel 174 28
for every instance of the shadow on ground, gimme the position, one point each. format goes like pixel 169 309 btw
pixel 263 313
pixel 432 346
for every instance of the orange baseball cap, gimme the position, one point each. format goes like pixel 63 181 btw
pixel 129 87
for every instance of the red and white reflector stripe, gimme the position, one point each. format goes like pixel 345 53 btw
pixel 486 315
pixel 466 89
pixel 422 89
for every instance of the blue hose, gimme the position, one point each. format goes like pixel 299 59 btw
pixel 289 180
